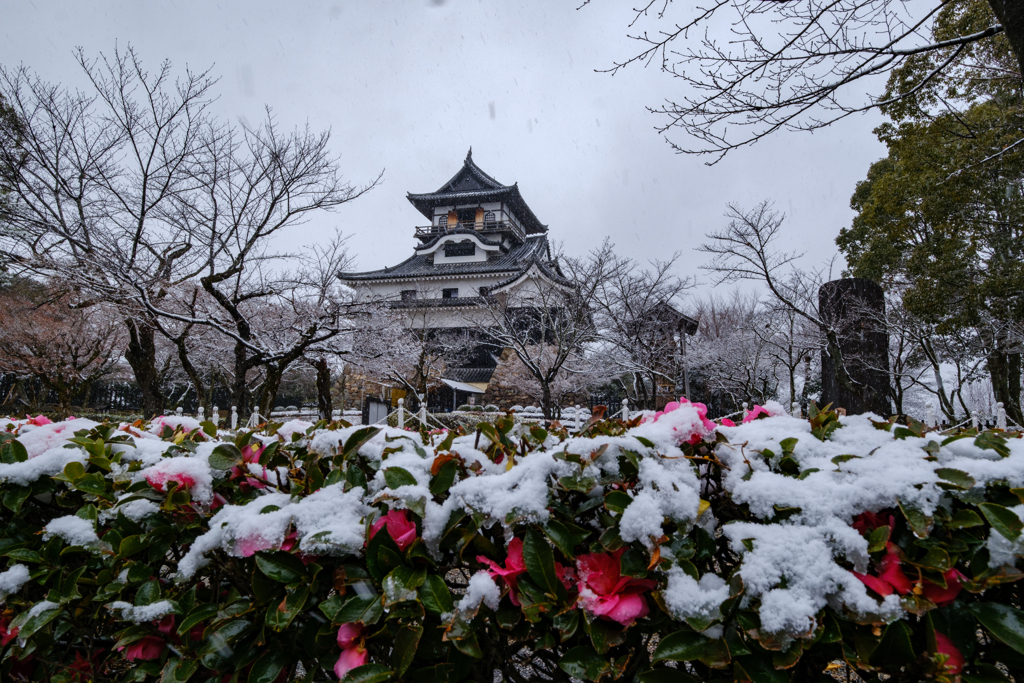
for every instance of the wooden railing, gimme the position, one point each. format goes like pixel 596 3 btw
pixel 486 227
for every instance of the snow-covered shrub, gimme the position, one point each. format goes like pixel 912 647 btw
pixel 491 408
pixel 464 408
pixel 667 549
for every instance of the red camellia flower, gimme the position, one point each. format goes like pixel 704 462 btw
pixel 943 596
pixel 6 635
pixel 604 592
pixel 890 576
pixel 514 566
pixel 38 420
pixel 401 529
pixel 702 412
pixel 150 647
pixel 866 522
pixel 945 646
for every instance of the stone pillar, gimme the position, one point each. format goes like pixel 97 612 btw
pixel 855 308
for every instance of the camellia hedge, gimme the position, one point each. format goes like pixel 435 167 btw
pixel 670 548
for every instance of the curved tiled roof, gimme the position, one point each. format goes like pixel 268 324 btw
pixel 471 185
pixel 459 231
pixel 513 262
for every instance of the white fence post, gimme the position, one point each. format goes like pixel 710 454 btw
pixel 796 410
pixel 1000 416
pixel 215 417
pixel 929 418
pixel 745 411
pixel 178 411
pixel 974 420
pixel 200 413
pixel 234 418
pixel 401 413
pixel 577 418
pixel 254 419
pixel 423 412
pixel 625 410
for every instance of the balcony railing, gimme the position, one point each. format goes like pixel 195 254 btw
pixel 430 231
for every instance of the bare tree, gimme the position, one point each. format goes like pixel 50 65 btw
pixel 547 319
pixel 139 197
pixel 744 250
pixel 636 311
pixel 66 350
pixel 750 68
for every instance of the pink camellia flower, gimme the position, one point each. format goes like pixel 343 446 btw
pixel 726 422
pixel 351 634
pixel 250 545
pixel 514 566
pixel 352 641
pixel 702 412
pixel 945 646
pixel 399 526
pixel 757 412
pixel 350 659
pixel 604 592
pixel 150 647
pixel 38 420
pixel 161 479
pixel 943 596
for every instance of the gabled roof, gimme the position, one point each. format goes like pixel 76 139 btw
pixel 514 261
pixel 472 186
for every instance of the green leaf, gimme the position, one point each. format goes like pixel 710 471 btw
pixel 920 523
pixel 444 478
pixel 197 616
pixel 566 535
pixel 225 456
pixel 963 519
pixel 148 593
pixel 280 616
pixel 368 673
pixel 74 470
pixel 435 596
pixel 356 441
pixel 584 662
pixel 759 669
pixel 633 563
pixel 681 646
pixel 131 545
pixel 280 566
pixel 895 648
pixel 268 667
pixel 178 670
pixel 957 477
pixel 617 501
pixel 95 484
pixel 1002 621
pixel 1003 520
pixel 878 538
pixel 36 622
pixel 840 459
pixel 398 476
pixel 667 676
pixel 993 442
pixel 401 584
pixel 540 561
pixel 366 609
pixel 404 649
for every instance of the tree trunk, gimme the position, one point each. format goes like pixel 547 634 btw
pixel 1004 369
pixel 141 356
pixel 239 393
pixel 1011 15
pixel 324 404
pixel 545 400
pixel 271 383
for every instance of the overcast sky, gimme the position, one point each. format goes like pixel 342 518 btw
pixel 407 86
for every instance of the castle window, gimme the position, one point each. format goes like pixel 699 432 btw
pixel 489 217
pixel 408 294
pixel 465 248
pixel 442 221
pixel 452 293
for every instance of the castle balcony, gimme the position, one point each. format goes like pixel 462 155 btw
pixel 429 232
